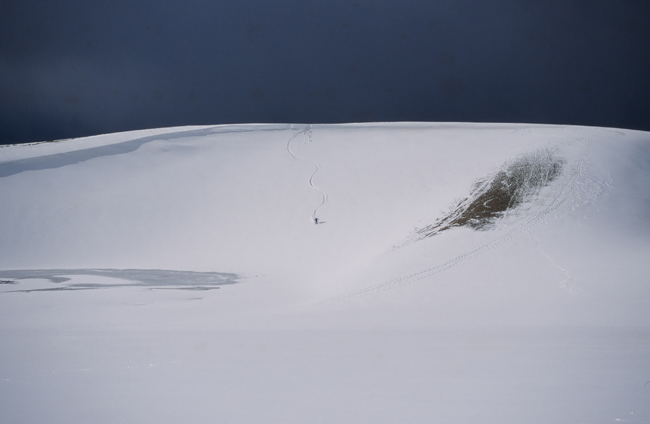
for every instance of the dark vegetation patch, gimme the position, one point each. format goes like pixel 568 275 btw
pixel 495 195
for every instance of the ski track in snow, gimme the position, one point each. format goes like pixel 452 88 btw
pixel 561 196
pixel 308 132
pixel 311 184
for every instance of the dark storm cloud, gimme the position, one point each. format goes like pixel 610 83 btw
pixel 73 68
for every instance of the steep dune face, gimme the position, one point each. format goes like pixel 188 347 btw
pixel 244 200
pixel 448 238
pixel 193 196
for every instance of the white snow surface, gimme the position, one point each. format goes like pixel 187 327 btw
pixel 177 275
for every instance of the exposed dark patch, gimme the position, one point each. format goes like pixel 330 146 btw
pixel 8 282
pixel 491 197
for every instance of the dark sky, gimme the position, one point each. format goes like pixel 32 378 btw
pixel 77 67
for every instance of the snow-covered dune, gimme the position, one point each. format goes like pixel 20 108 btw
pixel 456 273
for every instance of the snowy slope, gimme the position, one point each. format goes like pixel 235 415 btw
pixel 492 272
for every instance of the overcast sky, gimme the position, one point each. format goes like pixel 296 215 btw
pixel 77 67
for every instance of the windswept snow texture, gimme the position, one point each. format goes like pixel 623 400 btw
pixel 529 305
pixel 492 197
pixel 150 278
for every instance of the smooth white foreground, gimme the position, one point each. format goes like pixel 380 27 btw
pixel 177 275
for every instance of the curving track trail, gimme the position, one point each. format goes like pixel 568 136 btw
pixel 307 132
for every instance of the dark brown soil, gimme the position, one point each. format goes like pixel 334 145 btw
pixel 491 197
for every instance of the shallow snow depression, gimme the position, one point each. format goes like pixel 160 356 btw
pixel 458 272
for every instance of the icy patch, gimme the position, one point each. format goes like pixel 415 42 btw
pixel 149 278
pixel 496 195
